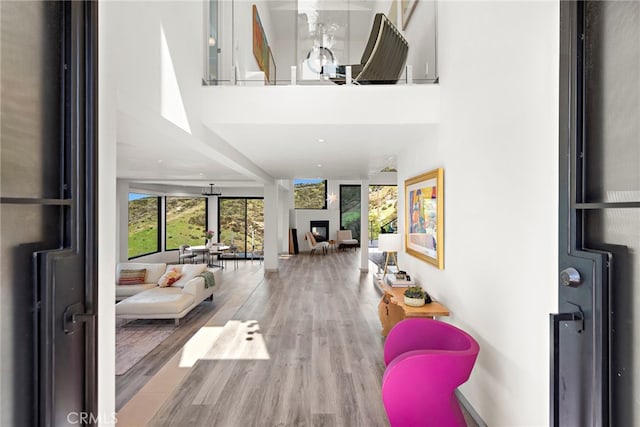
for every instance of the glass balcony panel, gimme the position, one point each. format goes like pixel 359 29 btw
pixel 309 42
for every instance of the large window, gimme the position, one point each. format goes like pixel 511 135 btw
pixel 383 211
pixel 144 224
pixel 241 223
pixel 186 219
pixel 350 209
pixel 310 193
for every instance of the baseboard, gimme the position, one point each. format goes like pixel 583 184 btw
pixel 464 402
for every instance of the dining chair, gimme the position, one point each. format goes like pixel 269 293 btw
pixel 184 253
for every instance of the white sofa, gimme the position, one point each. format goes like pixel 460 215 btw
pixel 150 301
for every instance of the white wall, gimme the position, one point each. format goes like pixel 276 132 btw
pixel 498 144
pixel 302 218
pixel 107 222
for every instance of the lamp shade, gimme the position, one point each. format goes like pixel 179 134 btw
pixel 389 243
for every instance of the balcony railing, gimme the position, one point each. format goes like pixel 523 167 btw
pixel 312 42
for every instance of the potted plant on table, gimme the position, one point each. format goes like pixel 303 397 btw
pixel 208 234
pixel 415 296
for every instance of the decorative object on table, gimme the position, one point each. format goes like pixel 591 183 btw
pixel 399 280
pixel 442 358
pixel 391 244
pixel 415 296
pixel 208 234
pixel 424 214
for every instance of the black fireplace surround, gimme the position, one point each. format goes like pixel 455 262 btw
pixel 320 230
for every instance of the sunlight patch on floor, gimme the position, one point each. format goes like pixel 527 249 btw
pixel 199 344
pixel 236 340
pixel 240 340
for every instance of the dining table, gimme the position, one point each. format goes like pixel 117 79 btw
pixel 208 251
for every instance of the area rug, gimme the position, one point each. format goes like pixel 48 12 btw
pixel 377 258
pixel 136 339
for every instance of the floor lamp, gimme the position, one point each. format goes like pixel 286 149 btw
pixel 391 244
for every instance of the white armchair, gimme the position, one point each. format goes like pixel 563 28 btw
pixel 313 244
pixel 344 239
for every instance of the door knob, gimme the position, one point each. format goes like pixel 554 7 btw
pixel 570 277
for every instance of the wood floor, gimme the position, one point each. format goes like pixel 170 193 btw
pixel 302 347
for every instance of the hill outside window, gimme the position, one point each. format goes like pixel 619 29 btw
pixel 186 218
pixel 310 193
pixel 144 224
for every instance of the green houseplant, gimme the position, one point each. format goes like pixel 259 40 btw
pixel 415 296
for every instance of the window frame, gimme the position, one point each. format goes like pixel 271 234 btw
pixel 324 207
pixel 206 216
pixel 158 229
pixel 246 229
pixel 340 225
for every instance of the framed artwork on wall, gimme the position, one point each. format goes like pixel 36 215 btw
pixel 407 7
pixel 260 44
pixel 424 217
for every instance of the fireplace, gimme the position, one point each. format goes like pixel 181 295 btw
pixel 320 230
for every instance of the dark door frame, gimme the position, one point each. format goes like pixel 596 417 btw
pixel 581 379
pixel 341 226
pixel 246 229
pixel 62 275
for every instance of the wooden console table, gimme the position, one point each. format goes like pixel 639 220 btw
pixel 392 308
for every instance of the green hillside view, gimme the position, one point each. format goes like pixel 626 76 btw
pixel 383 209
pixel 309 196
pixel 143 226
pixel 186 221
pixel 232 222
pixel 186 218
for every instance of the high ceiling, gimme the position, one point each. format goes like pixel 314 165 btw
pixel 244 141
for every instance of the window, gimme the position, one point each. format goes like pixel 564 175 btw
pixel 212 43
pixel 144 224
pixel 241 223
pixel 350 209
pixel 186 219
pixel 383 210
pixel 310 193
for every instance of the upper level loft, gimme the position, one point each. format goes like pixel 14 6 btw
pixel 320 42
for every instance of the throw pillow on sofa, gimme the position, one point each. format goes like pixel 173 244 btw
pixel 170 277
pixel 132 277
pixel 189 271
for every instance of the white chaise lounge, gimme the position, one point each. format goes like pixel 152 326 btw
pixel 151 301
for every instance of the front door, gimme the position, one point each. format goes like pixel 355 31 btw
pixel 593 378
pixel 48 206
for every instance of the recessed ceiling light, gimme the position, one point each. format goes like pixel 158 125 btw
pixel 319 165
pixel 320 140
pixel 201 174
pixel 160 161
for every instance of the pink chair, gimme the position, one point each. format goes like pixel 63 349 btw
pixel 426 361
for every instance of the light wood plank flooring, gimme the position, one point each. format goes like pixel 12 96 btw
pixel 300 348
